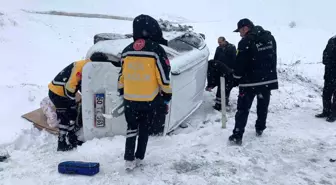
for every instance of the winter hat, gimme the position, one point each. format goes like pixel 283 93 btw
pixel 242 23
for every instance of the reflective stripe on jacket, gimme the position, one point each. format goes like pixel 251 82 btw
pixel 144 73
pixel 68 81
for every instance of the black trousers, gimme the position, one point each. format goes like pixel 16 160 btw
pixel 228 87
pixel 79 118
pixel 156 128
pixel 138 122
pixel 66 110
pixel 329 98
pixel 245 100
pixel 216 69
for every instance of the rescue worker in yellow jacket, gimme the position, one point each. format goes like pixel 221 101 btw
pixel 62 92
pixel 144 83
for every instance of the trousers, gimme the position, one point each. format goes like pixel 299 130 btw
pixel 245 100
pixel 216 69
pixel 66 110
pixel 329 98
pixel 138 123
pixel 228 87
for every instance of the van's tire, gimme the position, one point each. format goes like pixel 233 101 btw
pixel 109 36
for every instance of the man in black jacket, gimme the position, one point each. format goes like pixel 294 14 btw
pixel 329 60
pixel 222 65
pixel 256 72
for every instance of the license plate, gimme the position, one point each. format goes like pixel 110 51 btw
pixel 99 110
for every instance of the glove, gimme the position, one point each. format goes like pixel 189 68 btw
pixel 121 92
pixel 209 89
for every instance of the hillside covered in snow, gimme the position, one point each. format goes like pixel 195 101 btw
pixel 295 149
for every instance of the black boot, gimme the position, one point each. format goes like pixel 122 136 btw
pixel 235 139
pixel 63 145
pixel 331 118
pixel 259 133
pixel 217 107
pixel 332 115
pixel 322 115
pixel 73 140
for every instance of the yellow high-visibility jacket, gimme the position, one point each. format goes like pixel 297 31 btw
pixel 68 81
pixel 145 72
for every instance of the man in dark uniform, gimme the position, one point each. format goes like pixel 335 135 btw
pixel 62 91
pixel 329 90
pixel 144 83
pixel 256 72
pixel 222 65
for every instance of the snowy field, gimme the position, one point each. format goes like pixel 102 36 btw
pixel 295 149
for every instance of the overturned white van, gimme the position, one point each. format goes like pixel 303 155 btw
pixel 102 107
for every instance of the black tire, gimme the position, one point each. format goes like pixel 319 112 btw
pixel 109 36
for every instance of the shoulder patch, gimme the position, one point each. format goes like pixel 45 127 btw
pixel 167 61
pixel 139 44
pixel 79 74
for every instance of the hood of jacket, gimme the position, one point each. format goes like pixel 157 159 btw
pixel 146 27
pixel 259 33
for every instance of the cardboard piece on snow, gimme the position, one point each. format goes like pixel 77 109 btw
pixel 39 120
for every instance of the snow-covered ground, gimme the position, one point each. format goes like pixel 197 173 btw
pixel 295 149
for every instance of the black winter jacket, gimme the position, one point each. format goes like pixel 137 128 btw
pixel 227 55
pixel 329 60
pixel 256 61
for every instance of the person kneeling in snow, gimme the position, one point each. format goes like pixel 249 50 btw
pixel 222 65
pixel 62 92
pixel 49 111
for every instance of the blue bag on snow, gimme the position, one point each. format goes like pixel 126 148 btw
pixel 78 167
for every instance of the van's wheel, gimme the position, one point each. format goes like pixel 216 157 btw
pixel 109 36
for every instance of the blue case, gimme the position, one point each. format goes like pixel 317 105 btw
pixel 78 167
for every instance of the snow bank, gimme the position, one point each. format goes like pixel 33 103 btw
pixel 33 52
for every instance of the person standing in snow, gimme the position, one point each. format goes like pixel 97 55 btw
pixel 256 73
pixel 222 65
pixel 144 83
pixel 62 92
pixel 329 89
